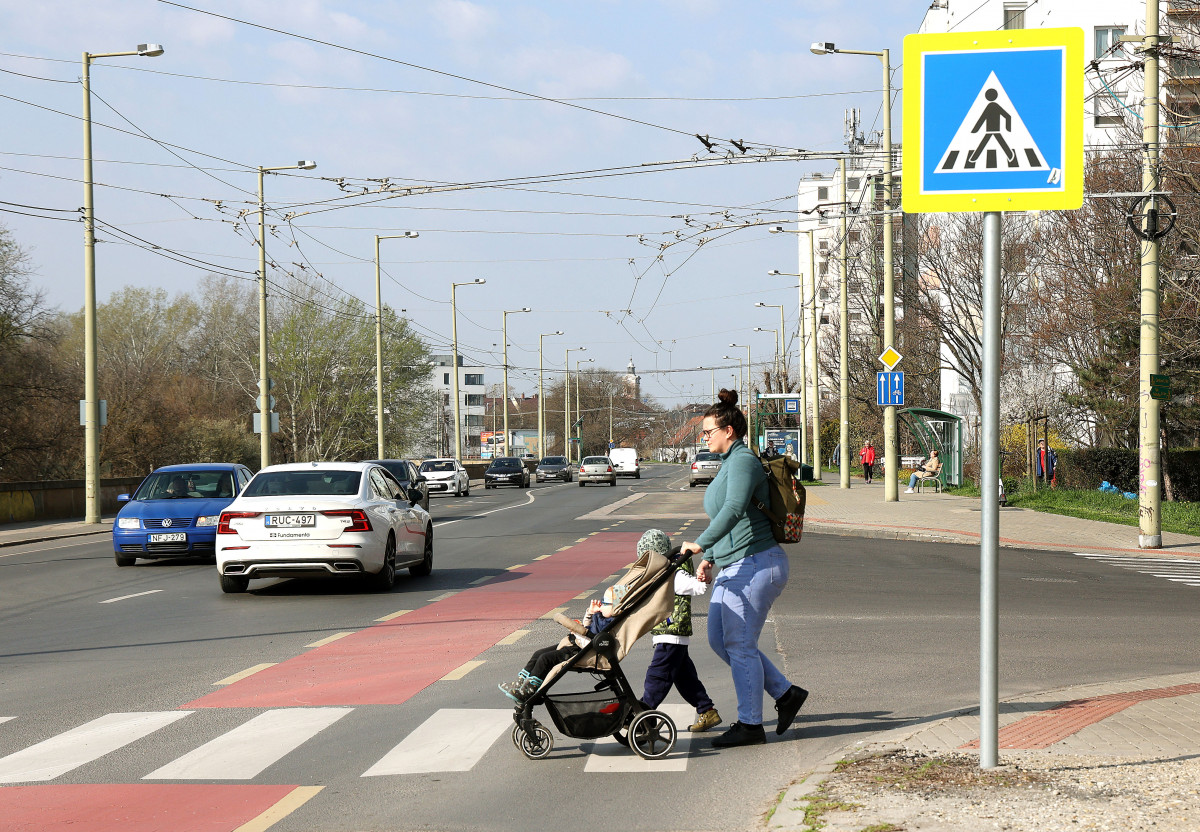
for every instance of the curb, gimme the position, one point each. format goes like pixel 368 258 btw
pixel 27 540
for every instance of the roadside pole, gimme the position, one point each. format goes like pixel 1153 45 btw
pixel 989 474
pixel 844 342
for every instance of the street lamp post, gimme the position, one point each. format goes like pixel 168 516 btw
pixel 264 382
pixel 542 396
pixel 778 342
pixel 749 394
pixel 479 281
pixel 567 401
pixel 891 485
pixel 91 401
pixel 814 359
pixel 504 334
pixel 578 404
pixel 407 235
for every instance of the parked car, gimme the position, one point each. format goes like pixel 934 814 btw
pixel 446 475
pixel 705 468
pixel 408 476
pixel 596 469
pixel 625 462
pixel 173 513
pixel 506 470
pixel 554 468
pixel 316 519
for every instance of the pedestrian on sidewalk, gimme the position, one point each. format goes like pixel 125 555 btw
pixel 867 457
pixel 671 664
pixel 1045 461
pixel 754 571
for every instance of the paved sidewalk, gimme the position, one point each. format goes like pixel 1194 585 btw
pixel 861 512
pixel 1131 742
pixel 16 534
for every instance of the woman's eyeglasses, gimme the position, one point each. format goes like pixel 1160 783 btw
pixel 707 432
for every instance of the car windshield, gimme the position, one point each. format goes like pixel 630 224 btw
pixel 507 462
pixel 169 485
pixel 595 460
pixel 555 460
pixel 303 483
pixel 438 465
pixel 397 469
pixel 707 456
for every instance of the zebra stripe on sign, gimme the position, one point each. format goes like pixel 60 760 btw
pixel 451 740
pixel 1176 570
pixel 246 751
pixel 79 746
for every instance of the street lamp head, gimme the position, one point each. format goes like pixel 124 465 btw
pixel 775 272
pixel 305 164
pixel 525 309
pixel 822 48
pixel 760 304
pixel 479 280
pixel 410 234
pixel 759 329
pixel 150 50
pixel 776 229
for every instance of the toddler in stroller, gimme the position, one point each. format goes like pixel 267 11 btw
pixel 643 598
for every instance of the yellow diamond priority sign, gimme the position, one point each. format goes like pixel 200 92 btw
pixel 890 358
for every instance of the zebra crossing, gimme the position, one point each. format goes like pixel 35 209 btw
pixel 451 739
pixel 1177 570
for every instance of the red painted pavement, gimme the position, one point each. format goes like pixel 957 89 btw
pixel 141 807
pixel 388 663
pixel 1044 729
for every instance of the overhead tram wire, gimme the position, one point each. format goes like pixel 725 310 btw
pixel 689 133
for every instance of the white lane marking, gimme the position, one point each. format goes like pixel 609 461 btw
pixel 452 739
pixel 134 595
pixel 608 755
pixel 603 512
pixel 46 548
pixel 328 639
pixel 6 718
pixel 529 499
pixel 70 750
pixel 244 752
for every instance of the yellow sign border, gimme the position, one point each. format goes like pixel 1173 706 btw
pixel 1070 198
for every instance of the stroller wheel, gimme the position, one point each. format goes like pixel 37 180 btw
pixel 652 735
pixel 535 745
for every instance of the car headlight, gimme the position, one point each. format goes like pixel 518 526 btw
pixel 210 520
pixel 128 523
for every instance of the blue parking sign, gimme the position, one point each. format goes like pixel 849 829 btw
pixel 889 389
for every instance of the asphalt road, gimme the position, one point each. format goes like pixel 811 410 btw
pixel 881 632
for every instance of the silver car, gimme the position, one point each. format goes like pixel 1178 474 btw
pixel 596 469
pixel 705 468
pixel 442 475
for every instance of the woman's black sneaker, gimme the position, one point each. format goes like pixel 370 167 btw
pixel 740 733
pixel 788 705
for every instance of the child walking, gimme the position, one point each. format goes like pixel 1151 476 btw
pixel 671 663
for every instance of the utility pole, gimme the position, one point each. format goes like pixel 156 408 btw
pixel 504 330
pixel 844 342
pixel 379 339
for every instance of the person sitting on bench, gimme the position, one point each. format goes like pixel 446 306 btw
pixel 931 468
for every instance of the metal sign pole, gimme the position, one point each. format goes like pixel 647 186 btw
pixel 989 539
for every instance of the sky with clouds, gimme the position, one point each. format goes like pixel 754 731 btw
pixel 450 91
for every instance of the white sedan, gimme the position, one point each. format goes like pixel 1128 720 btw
pixel 323 518
pixel 446 475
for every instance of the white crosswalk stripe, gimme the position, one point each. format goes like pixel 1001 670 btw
pixel 244 752
pixel 453 739
pixel 70 750
pixel 608 755
pixel 1176 570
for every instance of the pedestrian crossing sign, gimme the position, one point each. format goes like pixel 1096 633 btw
pixel 993 121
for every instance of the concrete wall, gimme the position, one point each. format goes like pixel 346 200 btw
pixel 57 499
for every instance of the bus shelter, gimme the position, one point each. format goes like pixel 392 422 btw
pixel 941 430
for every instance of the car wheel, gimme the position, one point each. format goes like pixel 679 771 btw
pixel 613 483
pixel 123 560
pixel 233 584
pixel 692 484
pixel 385 578
pixel 426 565
pixel 638 475
pixel 467 490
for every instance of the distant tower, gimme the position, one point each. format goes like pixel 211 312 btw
pixel 633 382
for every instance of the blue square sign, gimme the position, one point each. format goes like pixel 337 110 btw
pixel 889 389
pixel 791 405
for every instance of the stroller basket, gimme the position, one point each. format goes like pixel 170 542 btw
pixel 589 715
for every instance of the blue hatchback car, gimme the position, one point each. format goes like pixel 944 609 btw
pixel 174 512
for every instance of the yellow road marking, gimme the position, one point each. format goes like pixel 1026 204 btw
pixel 590 534
pixel 542 557
pixel 583 596
pixel 550 615
pixel 249 671
pixel 396 614
pixel 564 548
pixel 482 580
pixel 461 671
pixel 328 639
pixel 581 540
pixel 443 596
pixel 290 802
pixel 514 637
pixel 517 566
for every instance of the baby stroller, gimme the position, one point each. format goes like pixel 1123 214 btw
pixel 610 708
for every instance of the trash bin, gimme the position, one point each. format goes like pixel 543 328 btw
pixel 806 472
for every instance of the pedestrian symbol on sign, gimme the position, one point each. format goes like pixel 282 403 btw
pixel 992 136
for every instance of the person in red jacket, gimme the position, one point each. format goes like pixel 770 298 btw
pixel 867 457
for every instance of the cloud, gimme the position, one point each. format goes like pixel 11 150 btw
pixel 463 20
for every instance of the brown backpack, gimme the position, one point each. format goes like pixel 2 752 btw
pixel 787 496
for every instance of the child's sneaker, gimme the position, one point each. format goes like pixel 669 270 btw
pixel 521 689
pixel 706 720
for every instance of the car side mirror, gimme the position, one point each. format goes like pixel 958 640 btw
pixel 420 479
pixel 414 495
pixel 122 498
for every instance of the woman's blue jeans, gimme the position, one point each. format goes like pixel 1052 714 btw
pixel 912 481
pixel 741 599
